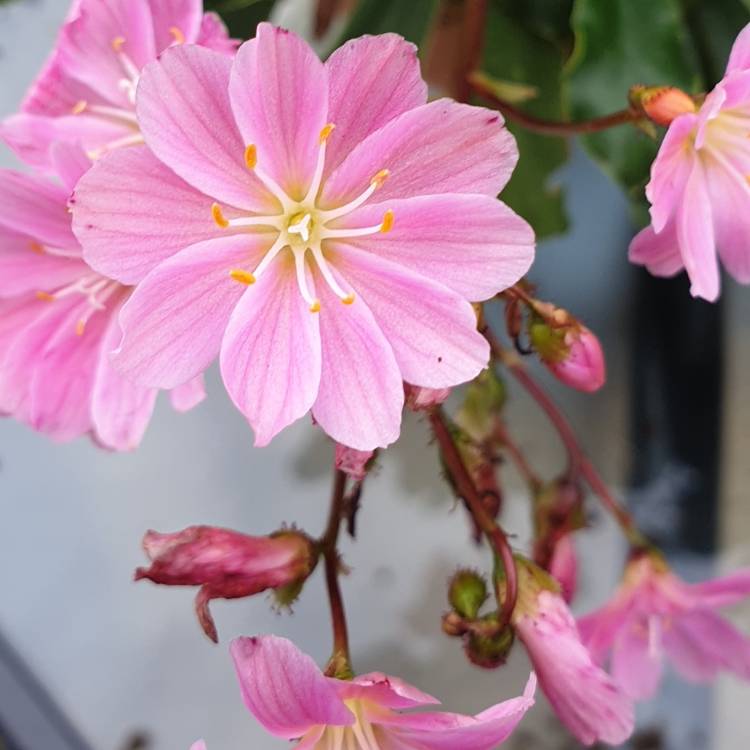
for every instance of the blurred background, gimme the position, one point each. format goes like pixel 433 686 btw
pixel 89 659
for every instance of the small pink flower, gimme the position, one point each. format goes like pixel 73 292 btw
pixel 86 92
pixel 226 564
pixel 585 698
pixel 200 745
pixel 582 366
pixel 699 191
pixel 58 322
pixel 563 566
pixel 655 614
pixel 292 699
pixel 353 462
pixel 424 399
pixel 357 221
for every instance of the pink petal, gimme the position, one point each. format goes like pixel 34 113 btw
pixel 700 644
pixel 270 356
pixel 636 664
pixel 120 409
pixel 130 212
pixel 384 690
pixel 361 389
pixel 696 236
pixel 660 253
pixel 284 689
pixel 188 395
pixel 200 745
pixel 432 330
pixel 472 244
pixel 723 591
pixel 441 147
pixel 279 93
pixel 170 16
pixel 70 163
pixel 35 207
pixel 371 80
pixel 739 58
pixel 184 112
pixel 174 322
pixel 214 35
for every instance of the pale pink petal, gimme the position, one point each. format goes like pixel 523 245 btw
pixel 700 644
pixel 472 244
pixel 279 93
pixel 214 35
pixel 87 45
pixel 739 58
pixel 431 329
pixel 696 236
pixel 361 389
pixel 384 690
pixel 173 19
pixel 270 355
pixel 425 151
pixel 188 395
pixel 36 207
pixel 660 253
pixel 637 663
pixel 284 689
pixel 724 591
pixel 200 745
pixel 184 112
pixel 371 80
pixel 69 162
pixel 120 409
pixel 130 212
pixel 174 322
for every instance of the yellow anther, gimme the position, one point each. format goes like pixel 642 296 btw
pixel 315 307
pixel 244 277
pixel 45 296
pixel 251 156
pixel 118 43
pixel 79 107
pixel 388 220
pixel 80 327
pixel 348 300
pixel 326 132
pixel 36 247
pixel 219 217
pixel 177 35
pixel 378 180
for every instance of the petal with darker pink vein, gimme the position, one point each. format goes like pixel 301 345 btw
pixel 637 660
pixel 188 395
pixel 723 591
pixel 660 253
pixel 739 58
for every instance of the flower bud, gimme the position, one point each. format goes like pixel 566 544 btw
pixel 661 104
pixel 467 593
pixel 424 399
pixel 564 566
pixel 489 651
pixel 354 463
pixel 226 564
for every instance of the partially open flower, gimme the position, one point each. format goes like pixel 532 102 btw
pixel 226 564
pixel 352 462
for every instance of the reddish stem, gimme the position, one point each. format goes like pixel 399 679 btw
pixel 475 22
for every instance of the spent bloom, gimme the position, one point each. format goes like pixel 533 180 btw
pixel 292 699
pixel 699 191
pixel 85 94
pixel 226 564
pixel 655 615
pixel 584 697
pixel 318 226
pixel 58 322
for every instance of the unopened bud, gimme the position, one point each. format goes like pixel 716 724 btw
pixel 467 593
pixel 484 401
pixel 354 463
pixel 662 104
pixel 226 564
pixel 489 651
pixel 424 399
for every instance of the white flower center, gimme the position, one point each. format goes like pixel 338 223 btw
pixel 361 735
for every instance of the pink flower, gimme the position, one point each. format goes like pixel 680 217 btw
pixel 699 192
pixel 655 614
pixel 352 462
pixel 563 566
pixel 424 399
pixel 259 236
pixel 226 564
pixel 292 699
pixel 85 93
pixel 58 322
pixel 584 697
pixel 200 745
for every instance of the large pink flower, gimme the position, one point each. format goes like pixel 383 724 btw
pixel 58 322
pixel 699 193
pixel 584 697
pixel 291 698
pixel 655 614
pixel 356 221
pixel 85 93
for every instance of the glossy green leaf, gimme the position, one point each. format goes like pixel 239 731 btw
pixel 410 18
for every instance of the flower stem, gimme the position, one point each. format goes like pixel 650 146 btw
pixel 550 127
pixel 340 663
pixel 474 25
pixel 495 535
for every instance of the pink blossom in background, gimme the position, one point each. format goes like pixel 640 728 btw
pixel 582 367
pixel 584 697
pixel 200 745
pixel 699 193
pixel 292 699
pixel 655 615
pixel 318 226
pixel 86 92
pixel 226 564
pixel 58 322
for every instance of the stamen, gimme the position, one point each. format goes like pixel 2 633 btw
pixel 80 326
pixel 129 140
pixel 251 161
pixel 218 217
pixel 299 266
pixel 36 247
pixel 244 277
pixel 315 307
pixel 378 180
pixel 45 296
pixel 251 156
pixel 118 43
pixel 346 297
pixel 326 132
pixel 79 107
pixel 269 256
pixel 113 112
pixel 314 189
pixel 388 220
pixel 384 227
pixel 375 183
pixel 177 34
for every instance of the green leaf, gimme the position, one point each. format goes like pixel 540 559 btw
pixel 513 53
pixel 241 16
pixel 411 19
pixel 620 43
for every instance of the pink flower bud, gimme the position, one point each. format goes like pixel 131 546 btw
pixel 564 566
pixel 662 104
pixel 423 399
pixel 352 462
pixel 226 564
